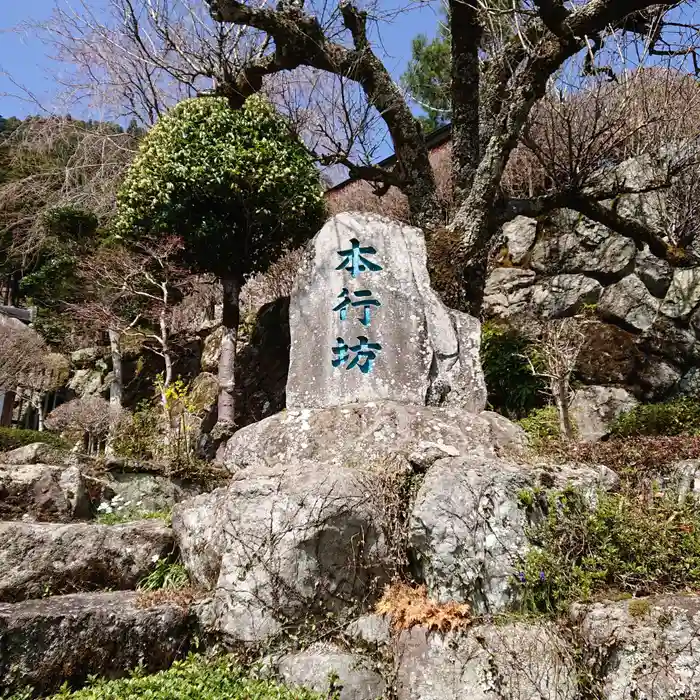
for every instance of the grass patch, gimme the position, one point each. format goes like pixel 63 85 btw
pixel 194 677
pixel 621 543
pixel 166 575
pixel 129 516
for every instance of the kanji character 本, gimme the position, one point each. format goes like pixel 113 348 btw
pixel 364 301
pixel 354 259
pixel 364 352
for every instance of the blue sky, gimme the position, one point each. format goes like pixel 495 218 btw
pixel 25 57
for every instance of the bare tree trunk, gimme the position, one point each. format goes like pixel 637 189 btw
pixel 165 347
pixel 466 37
pixel 116 388
pixel 560 392
pixel 227 358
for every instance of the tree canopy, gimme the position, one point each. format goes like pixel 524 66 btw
pixel 236 185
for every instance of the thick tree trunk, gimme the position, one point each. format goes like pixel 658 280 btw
pixel 466 38
pixel 116 388
pixel 227 358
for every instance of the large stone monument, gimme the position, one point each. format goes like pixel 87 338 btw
pixel 366 325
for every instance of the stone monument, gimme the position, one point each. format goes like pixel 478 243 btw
pixel 366 325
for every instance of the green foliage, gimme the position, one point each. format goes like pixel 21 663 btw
pixel 11 438
pixel 166 575
pixel 137 435
pixel 542 427
pixel 195 678
pixel 618 543
pixel 236 185
pixel 680 416
pixel 512 388
pixel 427 77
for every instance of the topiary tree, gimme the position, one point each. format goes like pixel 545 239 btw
pixel 239 189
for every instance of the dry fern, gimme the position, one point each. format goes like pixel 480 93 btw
pixel 409 606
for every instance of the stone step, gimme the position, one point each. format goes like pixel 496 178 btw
pixel 41 559
pixel 43 492
pixel 66 638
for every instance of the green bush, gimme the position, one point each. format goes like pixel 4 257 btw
pixel 621 544
pixel 512 388
pixel 11 438
pixel 129 515
pixel 677 417
pixel 195 678
pixel 542 427
pixel 138 433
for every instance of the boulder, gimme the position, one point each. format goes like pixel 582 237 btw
pixel 657 379
pixel 656 273
pixel 66 638
pixel 487 662
pixel 519 235
pixel 86 357
pixel 312 667
pixel 683 295
pixel 197 524
pixel 43 492
pixel 366 325
pixel 507 292
pixel 297 540
pixel 644 647
pixel 589 249
pixel 211 350
pixel 35 453
pixel 367 433
pixel 373 630
pixel 689 384
pixel 564 295
pixel 664 338
pixel 594 408
pixel 87 382
pixel 37 559
pixel 629 303
pixel 468 525
pixel 144 492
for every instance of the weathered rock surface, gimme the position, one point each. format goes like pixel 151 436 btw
pixel 508 292
pixel 467 527
pixel 211 350
pixel 36 453
pixel 43 492
pixel 644 648
pixel 37 559
pixel 630 303
pixel 372 629
pixel 148 492
pixel 364 284
pixel 591 249
pixel 514 661
pixel 311 669
pixel 519 235
pixel 564 295
pixel 65 638
pixel 370 432
pixel 594 408
pixel 198 529
pixel 656 273
pixel 297 540
pixel 684 293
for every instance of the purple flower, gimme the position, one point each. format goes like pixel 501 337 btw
pixel 542 576
pixel 521 576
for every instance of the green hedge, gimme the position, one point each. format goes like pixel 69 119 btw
pixel 677 417
pixel 11 438
pixel 195 678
